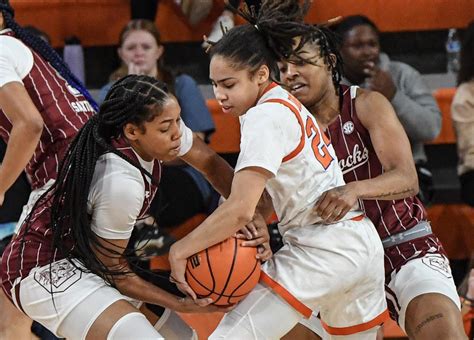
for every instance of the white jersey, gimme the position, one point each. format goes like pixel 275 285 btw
pixel 16 60
pixel 280 135
pixel 117 191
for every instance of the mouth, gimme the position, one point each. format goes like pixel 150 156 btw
pixel 226 108
pixel 297 87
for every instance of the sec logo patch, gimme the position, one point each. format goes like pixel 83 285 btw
pixel 348 127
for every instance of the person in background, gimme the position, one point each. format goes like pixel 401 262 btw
pixel 365 65
pixel 226 19
pixel 462 112
pixel 183 191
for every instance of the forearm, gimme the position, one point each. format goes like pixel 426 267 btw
pixel 224 222
pixel 135 287
pixel 19 151
pixel 220 174
pixel 391 185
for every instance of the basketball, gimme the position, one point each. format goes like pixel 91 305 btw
pixel 225 272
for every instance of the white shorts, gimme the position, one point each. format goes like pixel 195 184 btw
pixel 336 270
pixel 73 290
pixel 34 196
pixel 428 274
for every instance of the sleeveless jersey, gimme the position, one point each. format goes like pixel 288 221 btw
pixel 64 111
pixel 305 172
pixel 34 247
pixel 358 161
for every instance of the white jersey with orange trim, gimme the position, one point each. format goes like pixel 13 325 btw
pixel 332 269
pixel 295 151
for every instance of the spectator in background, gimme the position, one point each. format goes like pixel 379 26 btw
pixel 462 111
pixel 365 65
pixel 226 19
pixel 183 191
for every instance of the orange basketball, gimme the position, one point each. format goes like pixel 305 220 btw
pixel 225 272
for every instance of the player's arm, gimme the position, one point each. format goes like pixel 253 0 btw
pixel 392 147
pixel 27 126
pixel 228 218
pixel 117 200
pixel 216 170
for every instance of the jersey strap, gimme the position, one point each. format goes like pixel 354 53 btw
pixel 300 146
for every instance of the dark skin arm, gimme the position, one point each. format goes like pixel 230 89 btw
pixel 392 147
pixel 135 287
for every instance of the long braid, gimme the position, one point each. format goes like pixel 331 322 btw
pixel 133 99
pixel 46 51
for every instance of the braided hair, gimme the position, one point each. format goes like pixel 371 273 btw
pixel 43 49
pixel 134 99
pixel 267 38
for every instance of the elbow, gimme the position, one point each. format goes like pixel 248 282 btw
pixel 34 127
pixel 414 183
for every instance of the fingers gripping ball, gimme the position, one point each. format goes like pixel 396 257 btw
pixel 225 272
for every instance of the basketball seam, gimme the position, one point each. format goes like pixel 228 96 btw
pixel 243 282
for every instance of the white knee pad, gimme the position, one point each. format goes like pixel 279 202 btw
pixel 171 326
pixel 133 326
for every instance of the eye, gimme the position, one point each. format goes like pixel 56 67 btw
pixel 228 85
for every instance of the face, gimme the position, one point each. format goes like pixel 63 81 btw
pixel 235 90
pixel 141 51
pixel 159 138
pixel 360 47
pixel 308 81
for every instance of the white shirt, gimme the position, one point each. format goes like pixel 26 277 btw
pixel 271 132
pixel 16 59
pixel 117 192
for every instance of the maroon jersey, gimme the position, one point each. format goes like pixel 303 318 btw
pixel 33 247
pixel 64 111
pixel 358 161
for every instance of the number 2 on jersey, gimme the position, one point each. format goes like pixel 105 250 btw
pixel 319 146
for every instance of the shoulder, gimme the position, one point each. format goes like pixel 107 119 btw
pixel 372 107
pixel 13 47
pixel 184 81
pixel 111 166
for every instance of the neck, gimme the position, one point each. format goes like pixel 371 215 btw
pixel 326 109
pixel 263 89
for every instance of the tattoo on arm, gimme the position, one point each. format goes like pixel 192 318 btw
pixel 385 194
pixel 428 320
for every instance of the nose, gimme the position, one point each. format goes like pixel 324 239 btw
pixel 176 131
pixel 290 72
pixel 219 94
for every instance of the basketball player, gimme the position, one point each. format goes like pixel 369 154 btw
pixel 65 268
pixel 375 157
pixel 42 106
pixel 284 151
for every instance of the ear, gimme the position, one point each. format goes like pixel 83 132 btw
pixel 262 74
pixel 160 51
pixel 120 54
pixel 332 61
pixel 131 131
pixel 2 21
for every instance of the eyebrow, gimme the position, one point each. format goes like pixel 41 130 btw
pixel 222 80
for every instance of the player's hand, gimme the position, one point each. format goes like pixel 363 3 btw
pixel 178 270
pixel 256 234
pixel 334 204
pixel 380 80
pixel 188 305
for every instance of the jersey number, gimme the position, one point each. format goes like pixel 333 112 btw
pixel 319 146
